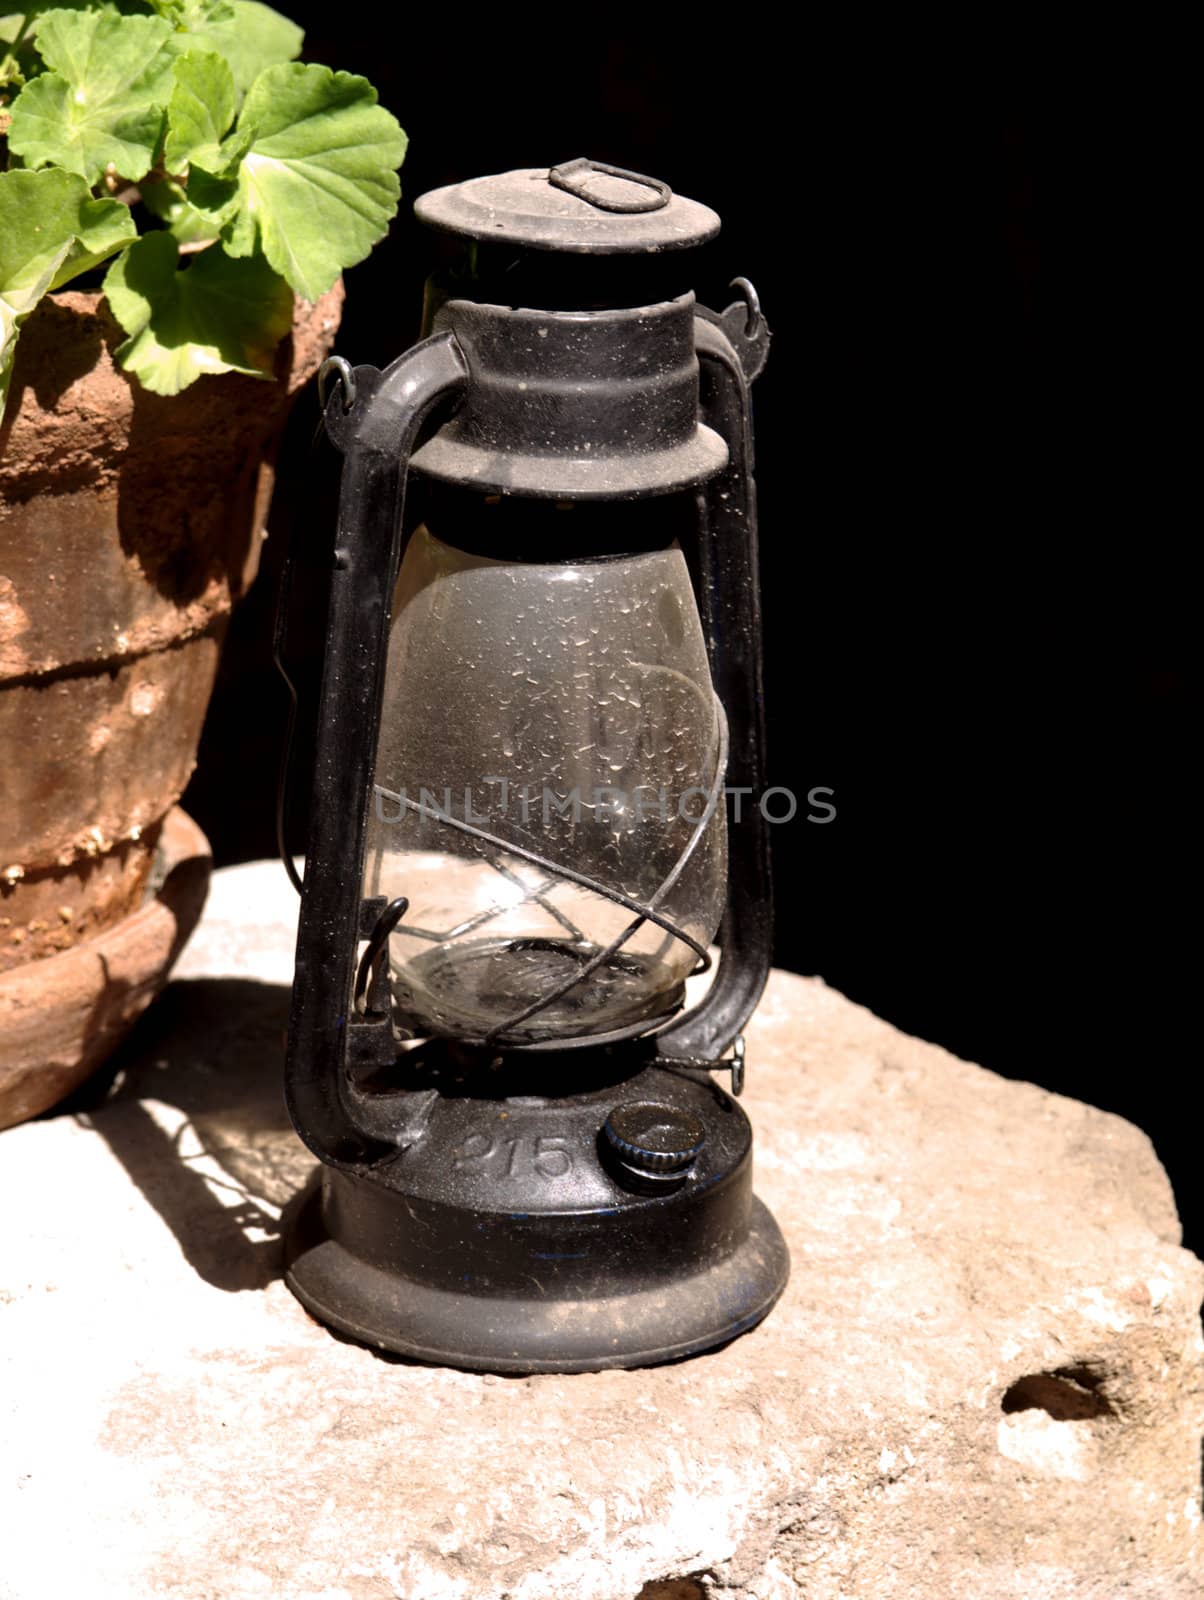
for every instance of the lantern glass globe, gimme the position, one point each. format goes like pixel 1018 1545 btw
pixel 543 718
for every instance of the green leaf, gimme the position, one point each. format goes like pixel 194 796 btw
pixel 24 24
pixel 319 185
pixel 12 77
pixel 50 230
pixel 196 214
pixel 199 112
pixel 253 38
pixel 191 224
pixel 217 315
pixel 103 227
pixel 11 22
pixel 103 100
pixel 214 198
pixel 191 14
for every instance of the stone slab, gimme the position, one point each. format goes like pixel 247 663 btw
pixel 984 1380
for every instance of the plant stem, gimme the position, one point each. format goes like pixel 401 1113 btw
pixel 10 67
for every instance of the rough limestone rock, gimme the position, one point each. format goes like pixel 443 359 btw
pixel 984 1380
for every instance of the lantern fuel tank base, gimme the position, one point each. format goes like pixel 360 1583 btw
pixel 638 1328
pixel 615 1228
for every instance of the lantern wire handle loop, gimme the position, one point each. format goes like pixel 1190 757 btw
pixel 733 1063
pixel 752 304
pixel 738 1065
pixel 341 369
pixel 286 754
pixel 290 725
pixel 375 950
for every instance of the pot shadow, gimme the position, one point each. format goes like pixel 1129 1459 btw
pixel 73 358
pixel 192 1106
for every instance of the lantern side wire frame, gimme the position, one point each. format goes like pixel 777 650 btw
pixel 644 912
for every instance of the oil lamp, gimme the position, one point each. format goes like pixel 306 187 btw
pixel 541 677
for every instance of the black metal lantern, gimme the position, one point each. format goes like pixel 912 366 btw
pixel 542 667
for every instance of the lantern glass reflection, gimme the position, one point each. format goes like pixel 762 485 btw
pixel 563 708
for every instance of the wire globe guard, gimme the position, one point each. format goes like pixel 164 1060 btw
pixel 515 1234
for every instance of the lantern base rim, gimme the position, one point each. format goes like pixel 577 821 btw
pixel 644 1325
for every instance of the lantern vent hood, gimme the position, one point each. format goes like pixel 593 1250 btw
pixel 581 207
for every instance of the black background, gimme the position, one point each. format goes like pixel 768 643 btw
pixel 974 506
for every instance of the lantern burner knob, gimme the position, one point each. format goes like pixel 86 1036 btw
pixel 652 1140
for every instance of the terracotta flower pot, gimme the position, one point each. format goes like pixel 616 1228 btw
pixel 60 1017
pixel 130 524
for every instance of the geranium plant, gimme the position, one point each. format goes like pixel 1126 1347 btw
pixel 180 141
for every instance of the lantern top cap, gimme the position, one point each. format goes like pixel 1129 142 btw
pixel 583 207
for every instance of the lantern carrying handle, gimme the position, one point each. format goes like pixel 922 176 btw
pixel 573 177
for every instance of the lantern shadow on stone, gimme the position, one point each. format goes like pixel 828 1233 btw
pixel 542 667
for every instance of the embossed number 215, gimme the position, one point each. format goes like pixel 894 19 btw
pixel 543 1154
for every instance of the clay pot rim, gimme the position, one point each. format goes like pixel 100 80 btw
pixel 181 844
